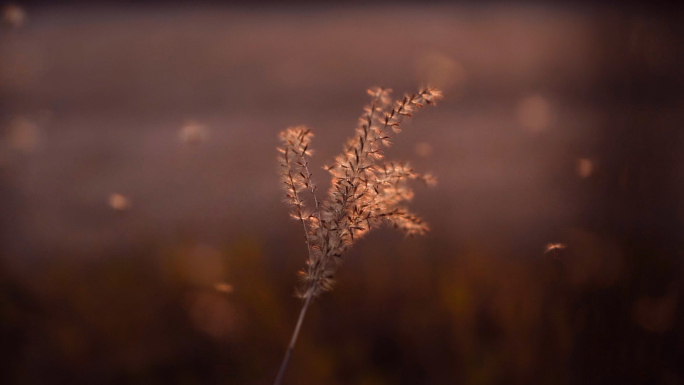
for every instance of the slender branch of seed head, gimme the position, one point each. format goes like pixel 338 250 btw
pixel 393 118
pixel 317 211
pixel 303 164
pixel 397 111
pixel 301 218
pixel 309 291
pixel 317 214
pixel 298 204
pixel 369 120
pixel 341 211
pixel 346 195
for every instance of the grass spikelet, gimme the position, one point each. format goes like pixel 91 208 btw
pixel 365 191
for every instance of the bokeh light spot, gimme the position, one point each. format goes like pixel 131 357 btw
pixel 119 202
pixel 439 70
pixel 193 133
pixel 584 167
pixel 13 15
pixel 534 114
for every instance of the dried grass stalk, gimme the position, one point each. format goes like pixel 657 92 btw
pixel 366 191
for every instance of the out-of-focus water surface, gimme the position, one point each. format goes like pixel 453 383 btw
pixel 144 238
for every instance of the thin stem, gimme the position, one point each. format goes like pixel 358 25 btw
pixel 313 189
pixel 298 203
pixel 293 340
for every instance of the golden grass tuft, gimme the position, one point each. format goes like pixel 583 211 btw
pixel 365 192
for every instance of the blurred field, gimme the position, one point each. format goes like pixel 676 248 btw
pixel 144 238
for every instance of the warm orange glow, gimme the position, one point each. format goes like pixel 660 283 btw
pixel 119 202
pixel 423 149
pixel 201 265
pixel 24 135
pixel 585 167
pixel 224 288
pixel 534 114
pixel 193 133
pixel 14 15
pixel 440 70
pixel 553 247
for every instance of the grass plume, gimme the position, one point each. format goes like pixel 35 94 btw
pixel 366 191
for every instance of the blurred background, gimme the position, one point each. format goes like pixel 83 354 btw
pixel 144 238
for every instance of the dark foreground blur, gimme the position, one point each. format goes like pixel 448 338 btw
pixel 144 240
